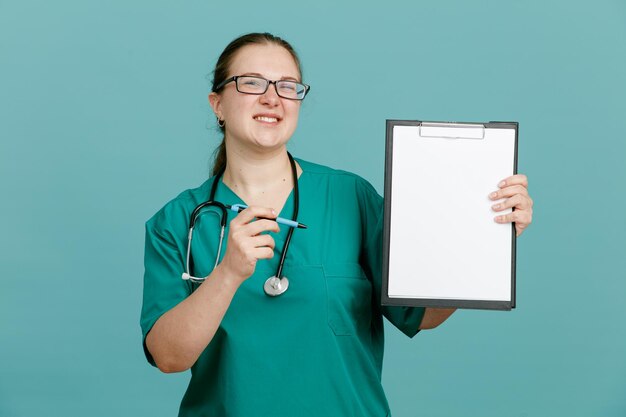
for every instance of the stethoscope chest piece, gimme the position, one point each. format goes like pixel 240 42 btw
pixel 275 286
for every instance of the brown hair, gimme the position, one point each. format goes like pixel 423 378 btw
pixel 222 69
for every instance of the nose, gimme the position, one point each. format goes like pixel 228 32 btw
pixel 270 97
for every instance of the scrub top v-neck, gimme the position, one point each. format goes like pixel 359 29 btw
pixel 317 349
pixel 285 212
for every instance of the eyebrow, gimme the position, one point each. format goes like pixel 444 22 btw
pixel 256 74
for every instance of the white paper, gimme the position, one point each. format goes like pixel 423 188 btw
pixel 444 242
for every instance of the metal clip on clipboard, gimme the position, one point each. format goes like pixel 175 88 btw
pixel 451 130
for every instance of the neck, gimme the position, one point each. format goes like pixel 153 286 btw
pixel 251 175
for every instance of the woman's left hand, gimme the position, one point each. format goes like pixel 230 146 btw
pixel 514 190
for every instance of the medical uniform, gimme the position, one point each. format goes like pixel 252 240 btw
pixel 317 349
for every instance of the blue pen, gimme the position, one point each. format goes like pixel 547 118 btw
pixel 240 207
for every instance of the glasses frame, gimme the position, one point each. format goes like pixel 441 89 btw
pixel 236 77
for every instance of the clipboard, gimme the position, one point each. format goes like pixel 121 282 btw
pixel 441 246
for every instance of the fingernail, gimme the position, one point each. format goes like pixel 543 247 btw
pixel 495 206
pixel 273 211
pixel 502 183
pixel 493 195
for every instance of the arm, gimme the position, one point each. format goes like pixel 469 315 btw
pixel 433 317
pixel 182 333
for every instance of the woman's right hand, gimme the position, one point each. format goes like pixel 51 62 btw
pixel 247 244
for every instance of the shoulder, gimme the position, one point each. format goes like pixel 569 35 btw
pixel 339 178
pixel 176 212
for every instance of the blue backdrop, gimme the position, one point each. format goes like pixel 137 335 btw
pixel 104 118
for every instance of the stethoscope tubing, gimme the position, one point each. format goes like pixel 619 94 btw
pixel 196 213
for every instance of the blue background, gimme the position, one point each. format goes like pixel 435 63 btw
pixel 104 118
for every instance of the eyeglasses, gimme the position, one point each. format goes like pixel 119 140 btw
pixel 246 84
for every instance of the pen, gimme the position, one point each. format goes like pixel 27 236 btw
pixel 240 207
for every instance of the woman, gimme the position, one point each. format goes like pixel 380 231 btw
pixel 315 350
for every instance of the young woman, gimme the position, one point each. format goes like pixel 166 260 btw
pixel 275 320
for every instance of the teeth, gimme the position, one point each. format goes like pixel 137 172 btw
pixel 266 119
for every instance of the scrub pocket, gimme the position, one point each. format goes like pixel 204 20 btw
pixel 349 295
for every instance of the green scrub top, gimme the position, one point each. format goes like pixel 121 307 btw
pixel 317 349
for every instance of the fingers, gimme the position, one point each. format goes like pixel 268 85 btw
pixel 518 179
pixel 262 241
pixel 247 215
pixel 522 220
pixel 518 201
pixel 247 243
pixel 514 190
pixel 264 253
pixel 258 226
pixel 251 235
pixel 261 247
pixel 249 232
pixel 509 192
pixel 523 217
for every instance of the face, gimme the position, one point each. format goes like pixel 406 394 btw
pixel 258 122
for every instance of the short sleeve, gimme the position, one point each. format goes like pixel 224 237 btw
pixel 406 319
pixel 163 287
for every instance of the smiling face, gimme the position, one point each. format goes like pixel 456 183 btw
pixel 257 123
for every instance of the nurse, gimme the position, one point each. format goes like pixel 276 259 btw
pixel 316 349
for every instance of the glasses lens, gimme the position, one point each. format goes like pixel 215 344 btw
pixel 251 85
pixel 291 89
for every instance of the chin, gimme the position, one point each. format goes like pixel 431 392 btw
pixel 271 146
pixel 270 142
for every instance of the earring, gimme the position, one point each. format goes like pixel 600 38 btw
pixel 220 123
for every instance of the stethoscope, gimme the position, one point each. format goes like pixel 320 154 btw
pixel 274 285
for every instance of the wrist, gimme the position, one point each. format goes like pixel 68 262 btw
pixel 225 276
